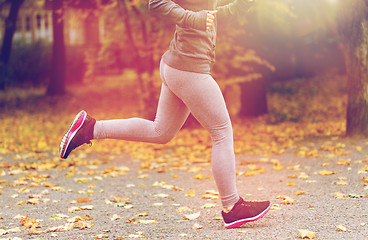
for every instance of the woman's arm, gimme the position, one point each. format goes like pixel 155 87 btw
pixel 178 15
pixel 236 8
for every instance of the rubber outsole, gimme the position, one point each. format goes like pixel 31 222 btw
pixel 73 129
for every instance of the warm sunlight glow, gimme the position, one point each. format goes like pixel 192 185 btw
pixel 332 1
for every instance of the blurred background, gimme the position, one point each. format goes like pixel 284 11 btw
pixel 57 45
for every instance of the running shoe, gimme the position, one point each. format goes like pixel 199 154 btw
pixel 245 211
pixel 79 133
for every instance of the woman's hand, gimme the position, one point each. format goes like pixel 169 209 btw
pixel 210 18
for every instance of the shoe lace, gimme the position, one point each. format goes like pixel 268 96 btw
pixel 245 204
pixel 89 143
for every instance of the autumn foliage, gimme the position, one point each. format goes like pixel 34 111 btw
pixel 32 126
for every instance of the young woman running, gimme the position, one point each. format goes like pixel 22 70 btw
pixel 187 86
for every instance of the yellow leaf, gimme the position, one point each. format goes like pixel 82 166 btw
pixel 147 221
pixel 201 177
pixel 299 193
pixel 184 209
pixel 87 207
pixel 344 162
pixel 275 207
pixel 33 201
pixel 325 172
pixel 307 234
pixel 211 194
pixel 83 200
pixel 287 200
pixel 290 183
pixel 81 180
pixel 162 195
pixel 209 205
pixel 342 228
pixel 365 179
pixel 192 216
pixel 339 195
pixel 358 148
pixel 341 183
pixel 303 176
pixel 278 167
pixel 197 226
pixel 191 193
pixel 74 209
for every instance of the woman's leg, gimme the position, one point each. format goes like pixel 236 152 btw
pixel 170 117
pixel 203 97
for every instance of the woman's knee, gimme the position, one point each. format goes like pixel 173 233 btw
pixel 222 133
pixel 164 138
pixel 163 135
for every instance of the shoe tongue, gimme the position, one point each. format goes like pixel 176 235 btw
pixel 238 204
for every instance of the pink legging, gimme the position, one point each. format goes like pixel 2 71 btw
pixel 183 92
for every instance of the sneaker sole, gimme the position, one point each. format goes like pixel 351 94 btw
pixel 242 221
pixel 73 129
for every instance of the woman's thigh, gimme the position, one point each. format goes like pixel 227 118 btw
pixel 202 95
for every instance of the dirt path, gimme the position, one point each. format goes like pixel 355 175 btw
pixel 156 204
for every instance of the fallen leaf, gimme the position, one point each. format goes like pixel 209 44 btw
pixel 307 234
pixel 303 175
pixel 209 205
pixel 339 195
pixel 147 221
pixel 191 193
pixel 192 216
pixel 119 199
pixel 162 195
pixel 87 207
pixel 84 200
pixel 344 162
pixel 290 183
pixel 299 193
pixel 197 226
pixel 184 209
pixel 201 177
pixel 115 217
pixel 342 228
pixel 33 201
pixel 275 207
pixel 341 183
pixel 211 194
pixel 325 172
pixel 287 200
pixel 73 209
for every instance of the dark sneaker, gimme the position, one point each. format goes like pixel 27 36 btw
pixel 245 211
pixel 79 132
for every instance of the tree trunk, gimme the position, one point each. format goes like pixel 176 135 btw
pixel 57 78
pixel 10 27
pixel 356 58
pixel 253 98
pixel 354 30
pixel 145 91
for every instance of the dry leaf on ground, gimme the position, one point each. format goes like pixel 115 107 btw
pixel 307 234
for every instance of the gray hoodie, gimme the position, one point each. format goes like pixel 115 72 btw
pixel 193 47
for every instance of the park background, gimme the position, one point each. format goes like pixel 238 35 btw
pixel 294 76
